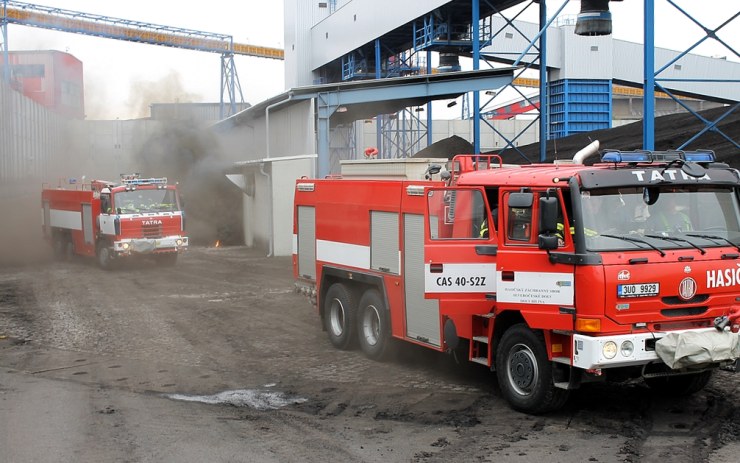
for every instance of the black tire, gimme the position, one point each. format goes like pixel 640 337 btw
pixel 340 312
pixel 677 386
pixel 105 257
pixel 525 373
pixel 69 249
pixel 166 260
pixel 373 326
pixel 59 245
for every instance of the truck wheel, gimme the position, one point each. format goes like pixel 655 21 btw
pixel 524 372
pixel 69 250
pixel 374 330
pixel 105 257
pixel 676 386
pixel 340 311
pixel 60 244
pixel 57 245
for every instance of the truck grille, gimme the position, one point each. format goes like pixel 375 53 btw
pixel 151 231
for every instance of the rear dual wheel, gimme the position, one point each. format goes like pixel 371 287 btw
pixel 63 246
pixel 347 322
pixel 340 311
pixel 374 330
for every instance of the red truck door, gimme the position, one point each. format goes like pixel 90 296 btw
pixel 530 280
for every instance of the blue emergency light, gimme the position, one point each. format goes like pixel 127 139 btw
pixel 617 156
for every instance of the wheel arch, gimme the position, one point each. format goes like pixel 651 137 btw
pixel 503 322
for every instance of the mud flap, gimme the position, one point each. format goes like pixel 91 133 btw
pixel 566 377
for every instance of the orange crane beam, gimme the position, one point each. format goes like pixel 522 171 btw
pixel 132 31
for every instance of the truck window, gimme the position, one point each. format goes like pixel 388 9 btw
pixel 519 224
pixel 145 200
pixel 679 214
pixel 105 204
pixel 458 214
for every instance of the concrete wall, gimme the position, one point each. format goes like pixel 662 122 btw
pixel 268 200
pixel 268 186
pixel 33 139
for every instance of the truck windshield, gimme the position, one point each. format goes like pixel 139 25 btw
pixel 143 200
pixel 687 217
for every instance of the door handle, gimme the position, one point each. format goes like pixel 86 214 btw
pixel 507 275
pixel 435 268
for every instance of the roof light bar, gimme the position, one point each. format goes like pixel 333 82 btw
pixel 617 156
pixel 144 181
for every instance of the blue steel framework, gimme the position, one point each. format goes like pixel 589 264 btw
pixel 478 34
pixel 653 79
pixel 331 100
pixel 27 14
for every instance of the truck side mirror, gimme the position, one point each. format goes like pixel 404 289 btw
pixel 547 241
pixel 548 215
pixel 522 200
pixel 548 224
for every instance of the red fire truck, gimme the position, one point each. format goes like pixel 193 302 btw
pixel 111 221
pixel 552 275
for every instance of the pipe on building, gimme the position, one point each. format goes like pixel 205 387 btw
pixel 270 232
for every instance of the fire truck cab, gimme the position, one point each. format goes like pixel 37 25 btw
pixel 111 221
pixel 550 274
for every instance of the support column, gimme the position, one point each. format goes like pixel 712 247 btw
pixel 543 82
pixel 475 29
pixel 648 99
pixel 6 58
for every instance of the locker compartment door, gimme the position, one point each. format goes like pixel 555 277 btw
pixel 422 315
pixel 307 242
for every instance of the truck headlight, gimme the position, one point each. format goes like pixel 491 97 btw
pixel 178 242
pixel 609 349
pixel 627 348
pixel 125 246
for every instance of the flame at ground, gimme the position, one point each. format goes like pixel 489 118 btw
pixel 218 244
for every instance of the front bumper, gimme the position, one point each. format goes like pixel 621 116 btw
pixel 589 352
pixel 127 247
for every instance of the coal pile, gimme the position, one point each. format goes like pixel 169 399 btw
pixel 670 133
pixel 446 148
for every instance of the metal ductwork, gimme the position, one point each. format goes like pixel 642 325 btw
pixel 594 18
pixel 448 62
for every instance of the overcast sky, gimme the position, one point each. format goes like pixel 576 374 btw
pixel 123 78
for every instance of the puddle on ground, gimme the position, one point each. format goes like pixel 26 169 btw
pixel 259 400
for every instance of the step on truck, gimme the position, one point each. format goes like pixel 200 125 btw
pixel 552 275
pixel 113 221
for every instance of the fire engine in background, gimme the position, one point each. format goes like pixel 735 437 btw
pixel 552 275
pixel 107 220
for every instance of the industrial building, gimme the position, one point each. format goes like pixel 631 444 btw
pixel 51 78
